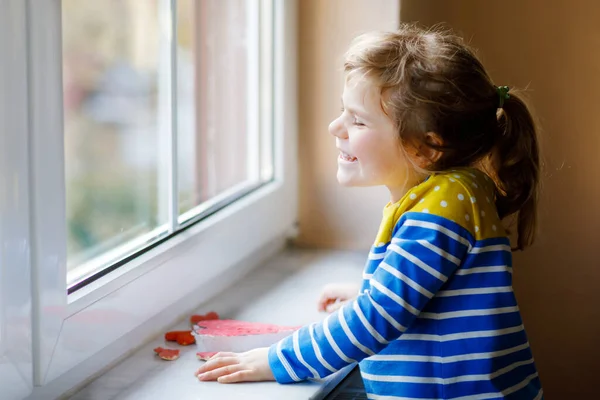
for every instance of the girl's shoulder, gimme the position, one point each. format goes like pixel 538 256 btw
pixel 464 196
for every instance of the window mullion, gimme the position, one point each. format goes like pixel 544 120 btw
pixel 253 95
pixel 267 77
pixel 168 190
pixel 173 158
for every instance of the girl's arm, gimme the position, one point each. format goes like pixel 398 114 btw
pixel 424 252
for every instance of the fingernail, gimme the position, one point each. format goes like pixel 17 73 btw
pixel 200 376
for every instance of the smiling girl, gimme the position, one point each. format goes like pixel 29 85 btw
pixel 436 316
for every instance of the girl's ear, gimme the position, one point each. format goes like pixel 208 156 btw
pixel 426 153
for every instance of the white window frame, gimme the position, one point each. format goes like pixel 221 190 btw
pixel 16 358
pixel 76 336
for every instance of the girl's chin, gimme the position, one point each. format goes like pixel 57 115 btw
pixel 345 180
pixel 351 181
pixel 346 183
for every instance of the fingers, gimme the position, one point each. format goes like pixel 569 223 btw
pixel 250 366
pixel 219 372
pixel 217 362
pixel 324 302
pixel 334 306
pixel 339 292
pixel 244 375
pixel 224 354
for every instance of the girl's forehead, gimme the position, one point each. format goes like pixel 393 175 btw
pixel 358 78
pixel 362 92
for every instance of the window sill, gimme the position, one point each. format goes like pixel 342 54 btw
pixel 158 256
pixel 283 291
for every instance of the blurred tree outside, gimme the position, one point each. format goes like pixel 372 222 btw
pixel 116 61
pixel 110 76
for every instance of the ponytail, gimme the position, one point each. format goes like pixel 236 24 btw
pixel 517 167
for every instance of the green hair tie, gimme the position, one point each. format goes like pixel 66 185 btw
pixel 502 94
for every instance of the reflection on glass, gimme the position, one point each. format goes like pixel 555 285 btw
pixel 111 72
pixel 214 132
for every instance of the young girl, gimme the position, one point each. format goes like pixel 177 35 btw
pixel 436 317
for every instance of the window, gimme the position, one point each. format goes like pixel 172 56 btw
pixel 147 161
pixel 161 125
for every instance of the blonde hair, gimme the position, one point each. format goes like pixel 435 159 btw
pixel 431 81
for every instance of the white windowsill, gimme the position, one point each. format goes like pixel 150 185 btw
pixel 283 291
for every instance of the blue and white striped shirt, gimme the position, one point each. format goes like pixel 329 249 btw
pixel 436 317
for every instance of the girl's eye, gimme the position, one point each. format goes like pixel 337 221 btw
pixel 358 123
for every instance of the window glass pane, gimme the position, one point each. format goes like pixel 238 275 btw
pixel 112 51
pixel 118 118
pixel 218 121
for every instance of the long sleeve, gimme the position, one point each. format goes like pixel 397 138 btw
pixel 425 250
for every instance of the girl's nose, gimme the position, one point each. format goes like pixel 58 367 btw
pixel 337 128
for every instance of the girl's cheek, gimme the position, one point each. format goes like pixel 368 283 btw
pixel 370 148
pixel 359 142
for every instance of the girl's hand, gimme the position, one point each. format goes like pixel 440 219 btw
pixel 335 295
pixel 224 367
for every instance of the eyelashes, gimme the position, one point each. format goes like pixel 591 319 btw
pixel 355 121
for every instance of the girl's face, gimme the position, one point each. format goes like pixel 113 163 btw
pixel 370 149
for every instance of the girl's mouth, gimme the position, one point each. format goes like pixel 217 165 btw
pixel 347 157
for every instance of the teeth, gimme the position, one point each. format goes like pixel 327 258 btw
pixel 347 157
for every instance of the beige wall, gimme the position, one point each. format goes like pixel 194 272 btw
pixel 554 48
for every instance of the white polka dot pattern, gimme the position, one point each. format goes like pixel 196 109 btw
pixel 456 196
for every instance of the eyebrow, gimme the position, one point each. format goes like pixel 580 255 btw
pixel 360 111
